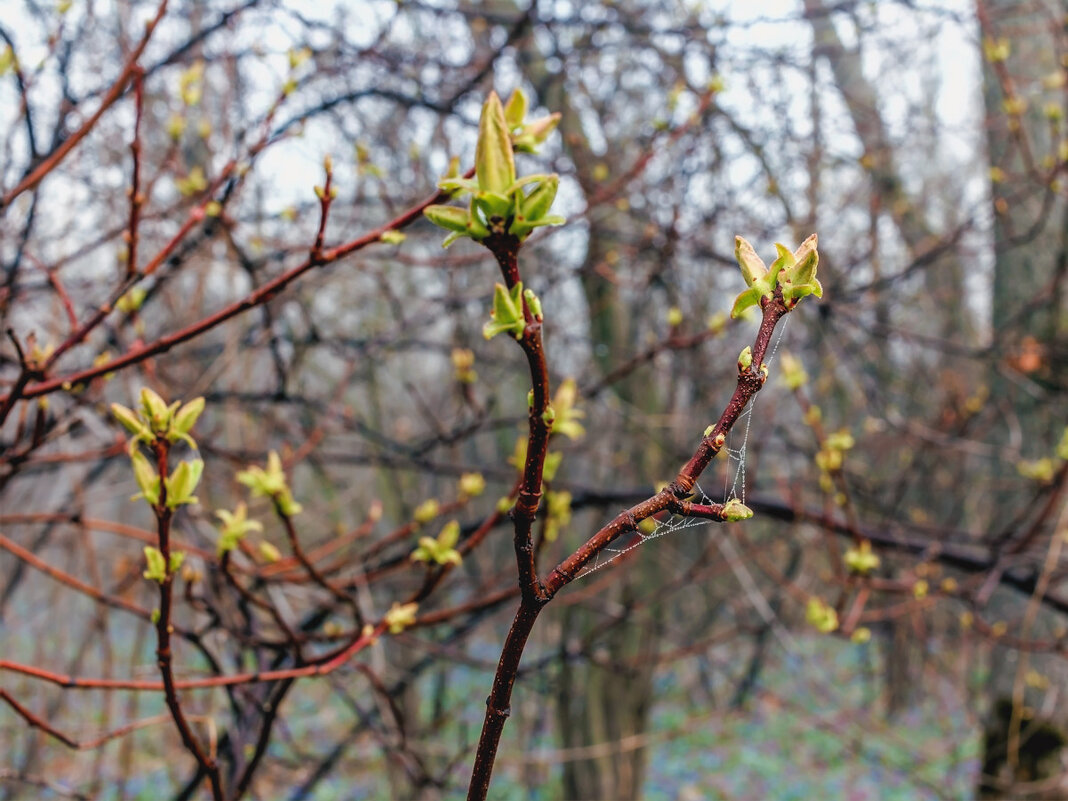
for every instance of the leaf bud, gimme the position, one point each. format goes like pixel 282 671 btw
pixel 494 160
pixel 186 417
pixel 819 614
pixel 734 510
pixel 472 485
pixel 156 565
pixel 753 267
pixel 515 109
pixel 745 359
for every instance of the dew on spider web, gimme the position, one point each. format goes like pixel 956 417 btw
pixel 670 525
pixel 734 481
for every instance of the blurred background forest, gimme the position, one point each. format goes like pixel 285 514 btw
pixel 920 406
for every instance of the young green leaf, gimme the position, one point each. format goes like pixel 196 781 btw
pixel 182 482
pixel 472 485
pixel 567 414
pixel 494 160
pixel 753 267
pixel 515 109
pixel 184 420
pixel 734 510
pixel 799 277
pixel 177 557
pixel 235 525
pixel 861 559
pixel 130 421
pixel 507 313
pixel 533 209
pixel 534 304
pixel 747 299
pixel 157 566
pixel 534 133
pixel 146 477
pixel 155 410
pixel 451 218
pixel 400 616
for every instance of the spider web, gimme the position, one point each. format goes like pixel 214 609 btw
pixel 734 481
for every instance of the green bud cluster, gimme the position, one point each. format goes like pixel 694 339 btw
pixel 158 569
pixel 793 372
pixel 235 525
pixel 861 559
pixel 794 272
pixel 153 423
pixel 557 513
pixel 830 457
pixel 820 615
pixel 426 511
pixel 271 483
pixel 440 550
pixel 566 414
pixel 734 510
pixel 472 485
pixel 400 616
pixel 507 314
pixel 500 202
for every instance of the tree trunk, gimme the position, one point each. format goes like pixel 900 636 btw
pixel 1029 325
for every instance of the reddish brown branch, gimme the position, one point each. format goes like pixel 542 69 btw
pixel 315 575
pixel 109 99
pixel 164 656
pixel 27 372
pixel 505 248
pixel 498 703
pixel 37 722
pixel 137 199
pixel 72 582
pixel 320 667
pixel 259 296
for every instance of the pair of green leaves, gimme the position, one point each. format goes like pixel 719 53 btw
pixel 183 481
pixel 442 550
pixel 507 315
pixel 830 457
pixel 235 525
pixel 155 421
pixel 180 484
pixel 861 559
pixel 500 202
pixel 566 415
pixel 518 459
pixel 527 136
pixel 400 616
pixel 155 418
pixel 271 483
pixel 821 615
pixel 794 272
pixel 158 569
pixel 557 513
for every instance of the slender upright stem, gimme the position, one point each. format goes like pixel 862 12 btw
pixel 505 248
pixel 750 380
pixel 164 656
